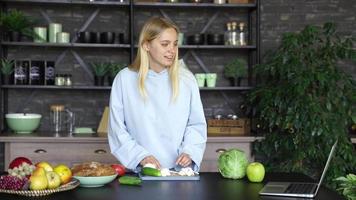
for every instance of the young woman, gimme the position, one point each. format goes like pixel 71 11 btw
pixel 156 115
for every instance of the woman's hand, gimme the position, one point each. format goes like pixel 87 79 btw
pixel 184 160
pixel 151 160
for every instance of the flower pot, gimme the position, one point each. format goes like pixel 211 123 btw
pixel 6 79
pixel 235 81
pixel 14 36
pixel 111 80
pixel 99 80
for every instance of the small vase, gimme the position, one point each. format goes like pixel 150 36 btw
pixel 111 80
pixel 235 81
pixel 6 79
pixel 99 80
pixel 14 36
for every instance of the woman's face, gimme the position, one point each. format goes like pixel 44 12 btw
pixel 162 50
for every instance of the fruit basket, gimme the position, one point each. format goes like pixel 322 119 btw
pixel 37 193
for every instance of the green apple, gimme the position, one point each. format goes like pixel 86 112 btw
pixel 38 182
pixel 255 172
pixel 53 179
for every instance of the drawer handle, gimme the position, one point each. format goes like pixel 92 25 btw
pixel 100 151
pixel 40 151
pixel 220 150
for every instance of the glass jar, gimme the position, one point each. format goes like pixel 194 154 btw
pixel 59 80
pixel 57 118
pixel 68 80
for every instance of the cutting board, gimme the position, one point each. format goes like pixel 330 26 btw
pixel 169 178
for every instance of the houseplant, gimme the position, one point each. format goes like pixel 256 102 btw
pixel 114 69
pixel 235 71
pixel 17 24
pixel 304 102
pixel 7 69
pixel 347 185
pixel 100 70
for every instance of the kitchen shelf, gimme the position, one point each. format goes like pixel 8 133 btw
pixel 70 2
pixel 195 5
pixel 34 44
pixel 225 88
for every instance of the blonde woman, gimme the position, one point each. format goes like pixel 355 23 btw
pixel 156 114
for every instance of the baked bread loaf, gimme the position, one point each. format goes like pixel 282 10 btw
pixel 92 169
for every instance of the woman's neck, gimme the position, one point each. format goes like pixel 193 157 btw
pixel 157 69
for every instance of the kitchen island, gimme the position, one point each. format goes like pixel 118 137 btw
pixel 210 187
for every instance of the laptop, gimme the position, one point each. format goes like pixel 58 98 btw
pixel 295 189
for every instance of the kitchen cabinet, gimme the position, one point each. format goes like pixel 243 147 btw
pixel 71 150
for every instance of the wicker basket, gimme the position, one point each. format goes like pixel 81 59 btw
pixel 37 193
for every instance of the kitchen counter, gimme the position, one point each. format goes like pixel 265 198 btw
pixel 61 148
pixel 211 186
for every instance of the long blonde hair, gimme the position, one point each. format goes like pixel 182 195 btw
pixel 150 31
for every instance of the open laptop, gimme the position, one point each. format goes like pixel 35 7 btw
pixel 295 189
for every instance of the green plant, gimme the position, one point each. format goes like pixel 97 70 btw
pixel 100 69
pixel 347 186
pixel 7 66
pixel 236 68
pixel 16 21
pixel 115 68
pixel 304 102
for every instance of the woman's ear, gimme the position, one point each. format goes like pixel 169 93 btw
pixel 146 46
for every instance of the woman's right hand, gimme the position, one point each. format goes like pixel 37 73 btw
pixel 151 160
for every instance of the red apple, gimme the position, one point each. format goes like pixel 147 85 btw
pixel 64 172
pixel 120 169
pixel 17 162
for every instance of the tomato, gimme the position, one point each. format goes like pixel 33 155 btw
pixel 120 169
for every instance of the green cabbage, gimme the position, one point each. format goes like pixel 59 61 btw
pixel 233 164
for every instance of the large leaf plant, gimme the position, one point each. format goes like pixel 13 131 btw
pixel 304 102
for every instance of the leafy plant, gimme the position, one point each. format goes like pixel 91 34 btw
pixel 7 66
pixel 115 68
pixel 236 68
pixel 16 21
pixel 347 185
pixel 100 69
pixel 304 102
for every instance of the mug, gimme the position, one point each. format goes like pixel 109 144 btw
pixel 41 34
pixel 62 37
pixel 211 79
pixel 200 79
pixel 54 28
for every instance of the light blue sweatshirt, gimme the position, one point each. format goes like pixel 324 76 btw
pixel 156 126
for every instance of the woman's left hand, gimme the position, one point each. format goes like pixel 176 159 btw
pixel 184 160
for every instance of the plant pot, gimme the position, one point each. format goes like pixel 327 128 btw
pixel 107 37
pixel 6 79
pixel 235 81
pixel 14 36
pixel 99 80
pixel 111 80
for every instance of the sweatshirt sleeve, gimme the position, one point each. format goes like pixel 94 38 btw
pixel 195 135
pixel 122 145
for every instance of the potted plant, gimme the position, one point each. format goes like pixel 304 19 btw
pixel 235 71
pixel 304 102
pixel 114 69
pixel 16 24
pixel 7 69
pixel 347 186
pixel 100 70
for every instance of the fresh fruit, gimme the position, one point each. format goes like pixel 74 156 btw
pixel 9 182
pixel 17 162
pixel 148 171
pixel 130 180
pixel 38 182
pixel 255 172
pixel 45 165
pixel 39 171
pixel 23 170
pixel 53 179
pixel 64 172
pixel 120 169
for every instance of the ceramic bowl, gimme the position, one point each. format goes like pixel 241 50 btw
pixel 94 181
pixel 23 122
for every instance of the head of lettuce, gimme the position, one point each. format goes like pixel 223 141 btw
pixel 232 164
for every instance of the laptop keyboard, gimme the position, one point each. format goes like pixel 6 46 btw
pixel 301 188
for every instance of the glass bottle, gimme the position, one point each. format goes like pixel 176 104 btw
pixel 227 34
pixel 234 36
pixel 242 34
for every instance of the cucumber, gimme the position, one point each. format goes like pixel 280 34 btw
pixel 148 171
pixel 130 180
